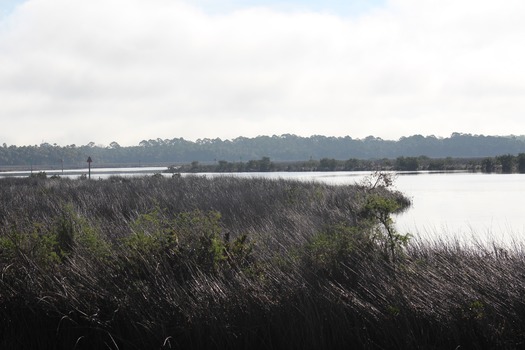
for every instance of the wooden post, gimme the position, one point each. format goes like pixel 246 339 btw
pixel 89 160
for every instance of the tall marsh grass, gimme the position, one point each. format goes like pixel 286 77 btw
pixel 230 263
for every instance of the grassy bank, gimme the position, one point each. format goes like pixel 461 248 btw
pixel 230 263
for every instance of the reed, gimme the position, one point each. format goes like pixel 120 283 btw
pixel 230 263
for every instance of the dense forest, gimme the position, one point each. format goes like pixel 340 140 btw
pixel 279 148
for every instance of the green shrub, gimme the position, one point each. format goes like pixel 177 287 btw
pixel 185 241
pixel 37 248
pixel 76 234
pixel 377 214
pixel 326 251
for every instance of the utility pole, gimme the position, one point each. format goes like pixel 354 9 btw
pixel 89 160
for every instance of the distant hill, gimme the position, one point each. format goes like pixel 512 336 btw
pixel 286 147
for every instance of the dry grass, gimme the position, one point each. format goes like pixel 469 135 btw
pixel 146 263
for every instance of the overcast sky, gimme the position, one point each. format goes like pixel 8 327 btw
pixel 75 71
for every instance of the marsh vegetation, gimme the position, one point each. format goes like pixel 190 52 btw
pixel 235 263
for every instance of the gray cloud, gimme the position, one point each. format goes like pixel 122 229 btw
pixel 73 71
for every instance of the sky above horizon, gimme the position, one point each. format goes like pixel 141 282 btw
pixel 74 71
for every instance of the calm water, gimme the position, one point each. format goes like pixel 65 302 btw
pixel 468 206
pixel 481 207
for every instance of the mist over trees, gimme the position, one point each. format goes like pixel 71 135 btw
pixel 286 147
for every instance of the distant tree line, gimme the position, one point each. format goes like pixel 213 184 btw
pixel 506 164
pixel 328 151
pixel 499 164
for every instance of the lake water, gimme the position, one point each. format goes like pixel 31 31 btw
pixel 472 207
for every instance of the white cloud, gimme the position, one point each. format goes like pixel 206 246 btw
pixel 74 71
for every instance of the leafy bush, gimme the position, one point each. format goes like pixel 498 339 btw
pixel 377 214
pixel 39 247
pixel 326 253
